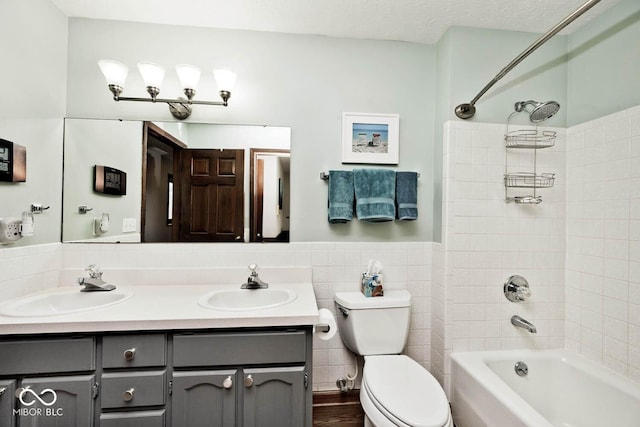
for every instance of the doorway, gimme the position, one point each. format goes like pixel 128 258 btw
pixel 270 190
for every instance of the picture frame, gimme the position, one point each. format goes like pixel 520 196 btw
pixel 370 138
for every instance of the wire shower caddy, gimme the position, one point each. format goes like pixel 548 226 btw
pixel 531 139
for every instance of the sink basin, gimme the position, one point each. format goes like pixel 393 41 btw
pixel 62 301
pixel 246 299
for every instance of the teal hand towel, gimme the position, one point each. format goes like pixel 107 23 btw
pixel 407 195
pixel 340 196
pixel 375 194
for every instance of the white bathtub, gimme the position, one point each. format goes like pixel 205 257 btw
pixel 562 389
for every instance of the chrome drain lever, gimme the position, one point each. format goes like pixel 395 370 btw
pixel 521 369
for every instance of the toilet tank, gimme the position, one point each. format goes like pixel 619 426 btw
pixel 374 325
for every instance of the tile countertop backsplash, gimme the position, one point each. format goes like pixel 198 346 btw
pixel 189 275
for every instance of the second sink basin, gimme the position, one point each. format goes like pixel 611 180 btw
pixel 246 299
pixel 58 301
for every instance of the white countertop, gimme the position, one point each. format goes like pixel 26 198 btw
pixel 170 307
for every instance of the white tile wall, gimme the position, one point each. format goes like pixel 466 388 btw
pixel 28 269
pixel 487 240
pixel 603 241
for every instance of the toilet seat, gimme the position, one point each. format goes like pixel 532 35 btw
pixel 403 392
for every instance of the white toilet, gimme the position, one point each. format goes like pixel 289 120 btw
pixel 395 390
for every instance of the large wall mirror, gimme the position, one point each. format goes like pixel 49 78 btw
pixel 134 181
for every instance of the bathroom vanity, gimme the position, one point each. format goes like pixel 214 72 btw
pixel 146 364
pixel 229 377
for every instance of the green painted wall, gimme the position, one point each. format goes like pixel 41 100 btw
pixel 604 64
pixel 477 55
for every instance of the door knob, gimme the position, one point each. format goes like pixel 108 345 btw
pixel 130 354
pixel 248 381
pixel 228 382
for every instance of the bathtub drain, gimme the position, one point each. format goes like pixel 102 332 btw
pixel 521 369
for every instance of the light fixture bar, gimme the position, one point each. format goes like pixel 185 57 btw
pixel 172 101
pixel 115 73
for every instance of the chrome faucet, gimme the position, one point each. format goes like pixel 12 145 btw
pixel 253 281
pixel 521 323
pixel 94 282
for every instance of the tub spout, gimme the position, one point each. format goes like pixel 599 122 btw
pixel 521 323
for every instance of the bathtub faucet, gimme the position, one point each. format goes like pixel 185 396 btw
pixel 521 323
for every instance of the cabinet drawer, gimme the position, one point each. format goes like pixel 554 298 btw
pixel 132 389
pixel 239 348
pixel 44 356
pixel 123 351
pixel 133 419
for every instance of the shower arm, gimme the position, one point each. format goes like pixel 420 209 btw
pixel 466 111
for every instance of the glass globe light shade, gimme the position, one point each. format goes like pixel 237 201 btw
pixel 189 76
pixel 225 79
pixel 115 73
pixel 151 73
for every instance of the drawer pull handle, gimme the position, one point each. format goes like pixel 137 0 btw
pixel 2 390
pixel 130 354
pixel 228 382
pixel 248 381
pixel 127 396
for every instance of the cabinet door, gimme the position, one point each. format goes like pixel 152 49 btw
pixel 204 398
pixel 7 390
pixel 72 406
pixel 274 397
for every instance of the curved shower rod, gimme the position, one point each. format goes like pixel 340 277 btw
pixel 466 111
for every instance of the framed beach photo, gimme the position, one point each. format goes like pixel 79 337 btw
pixel 370 138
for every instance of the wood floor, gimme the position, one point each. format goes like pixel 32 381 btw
pixel 337 409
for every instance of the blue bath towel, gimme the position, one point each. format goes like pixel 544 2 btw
pixel 375 194
pixel 407 195
pixel 340 196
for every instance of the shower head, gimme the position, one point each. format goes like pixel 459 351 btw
pixel 540 111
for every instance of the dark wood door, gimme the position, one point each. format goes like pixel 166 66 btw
pixel 258 200
pixel 211 196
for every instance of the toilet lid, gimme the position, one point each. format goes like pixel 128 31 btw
pixel 403 388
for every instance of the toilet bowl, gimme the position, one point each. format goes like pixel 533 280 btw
pixel 395 391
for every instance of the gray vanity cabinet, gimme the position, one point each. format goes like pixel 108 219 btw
pixel 134 381
pixel 73 406
pixel 243 377
pixel 204 398
pixel 266 374
pixel 274 397
pixel 59 374
pixel 7 403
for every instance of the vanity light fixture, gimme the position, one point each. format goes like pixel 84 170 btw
pixel 116 74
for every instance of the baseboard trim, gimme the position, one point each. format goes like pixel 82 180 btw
pixel 331 397
pixel 334 408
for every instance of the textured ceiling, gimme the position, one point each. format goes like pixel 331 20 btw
pixel 422 21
